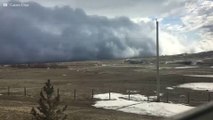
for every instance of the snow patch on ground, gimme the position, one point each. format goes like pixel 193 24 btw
pixel 138 104
pixel 64 75
pixel 186 67
pixel 169 88
pixel 209 76
pixel 197 86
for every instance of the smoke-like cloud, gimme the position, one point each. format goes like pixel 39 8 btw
pixel 36 33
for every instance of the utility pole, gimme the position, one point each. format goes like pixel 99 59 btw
pixel 157 62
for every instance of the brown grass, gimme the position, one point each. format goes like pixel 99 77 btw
pixel 85 76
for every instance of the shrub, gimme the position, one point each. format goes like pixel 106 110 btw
pixel 48 108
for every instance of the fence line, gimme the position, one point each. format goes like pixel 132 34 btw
pixel 167 97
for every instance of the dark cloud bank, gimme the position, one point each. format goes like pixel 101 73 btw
pixel 37 33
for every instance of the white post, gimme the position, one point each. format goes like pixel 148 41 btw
pixel 157 62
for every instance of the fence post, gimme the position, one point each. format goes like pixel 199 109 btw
pixel 25 91
pixel 8 90
pixel 109 95
pixel 92 93
pixel 167 97
pixel 188 97
pixel 129 95
pixel 58 92
pixel 209 96
pixel 74 94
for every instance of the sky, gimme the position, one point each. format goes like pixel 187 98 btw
pixel 48 30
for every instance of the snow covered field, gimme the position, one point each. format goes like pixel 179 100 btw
pixel 138 104
pixel 197 86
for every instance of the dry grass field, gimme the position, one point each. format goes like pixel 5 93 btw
pixel 101 76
